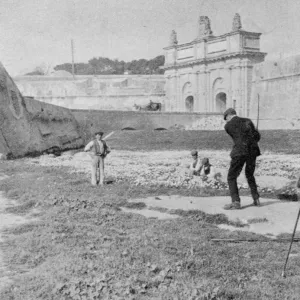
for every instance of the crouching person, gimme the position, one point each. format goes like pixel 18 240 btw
pixel 206 169
pixel 98 150
pixel 195 166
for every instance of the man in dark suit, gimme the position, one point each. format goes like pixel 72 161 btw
pixel 245 151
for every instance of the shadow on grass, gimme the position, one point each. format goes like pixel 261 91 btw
pixel 215 219
pixel 134 205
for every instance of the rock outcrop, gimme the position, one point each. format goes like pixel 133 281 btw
pixel 28 126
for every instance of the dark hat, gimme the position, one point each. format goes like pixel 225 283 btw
pixel 99 132
pixel 205 161
pixel 194 152
pixel 229 111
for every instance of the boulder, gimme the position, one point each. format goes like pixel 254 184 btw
pixel 28 126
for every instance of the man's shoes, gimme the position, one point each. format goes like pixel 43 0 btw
pixel 233 205
pixel 256 202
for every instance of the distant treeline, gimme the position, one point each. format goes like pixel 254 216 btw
pixel 107 66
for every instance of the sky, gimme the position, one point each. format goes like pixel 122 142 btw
pixel 39 32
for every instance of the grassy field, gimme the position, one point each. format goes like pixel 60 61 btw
pixel 279 141
pixel 84 247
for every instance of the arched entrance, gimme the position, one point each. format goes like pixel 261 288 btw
pixel 189 104
pixel 220 102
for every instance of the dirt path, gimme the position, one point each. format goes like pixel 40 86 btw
pixel 272 218
pixel 7 220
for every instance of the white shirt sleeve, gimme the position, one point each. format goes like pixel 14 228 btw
pixel 198 165
pixel 89 146
pixel 202 172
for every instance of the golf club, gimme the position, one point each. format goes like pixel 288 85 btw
pixel 287 258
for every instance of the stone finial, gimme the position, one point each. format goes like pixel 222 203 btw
pixel 173 38
pixel 204 27
pixel 236 24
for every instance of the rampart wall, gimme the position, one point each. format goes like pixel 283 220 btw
pixel 92 120
pixel 277 86
pixel 113 92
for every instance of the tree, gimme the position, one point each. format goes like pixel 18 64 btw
pixel 42 69
pixel 107 66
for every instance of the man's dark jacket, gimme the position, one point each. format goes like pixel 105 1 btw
pixel 245 137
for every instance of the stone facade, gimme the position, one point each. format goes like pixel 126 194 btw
pixel 212 73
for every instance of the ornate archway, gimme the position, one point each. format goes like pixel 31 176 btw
pixel 220 95
pixel 221 99
pixel 189 104
pixel 187 96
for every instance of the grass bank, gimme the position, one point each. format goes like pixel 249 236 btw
pixel 85 247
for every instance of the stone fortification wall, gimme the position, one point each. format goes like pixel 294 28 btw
pixel 113 92
pixel 278 85
pixel 92 120
pixel 28 126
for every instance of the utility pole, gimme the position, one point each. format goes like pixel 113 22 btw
pixel 73 68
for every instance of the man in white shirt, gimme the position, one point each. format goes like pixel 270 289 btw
pixel 98 150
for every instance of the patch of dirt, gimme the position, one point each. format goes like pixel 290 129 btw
pixel 273 217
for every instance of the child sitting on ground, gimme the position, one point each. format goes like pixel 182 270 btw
pixel 206 170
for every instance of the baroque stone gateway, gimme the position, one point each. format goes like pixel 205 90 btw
pixel 212 73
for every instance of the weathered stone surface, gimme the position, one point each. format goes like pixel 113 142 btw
pixel 29 126
pixel 276 84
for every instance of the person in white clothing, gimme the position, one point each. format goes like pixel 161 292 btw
pixel 196 164
pixel 98 150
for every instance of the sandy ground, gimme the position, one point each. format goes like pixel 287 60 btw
pixel 273 217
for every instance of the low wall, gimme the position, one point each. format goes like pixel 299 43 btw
pixel 92 120
pixel 106 102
